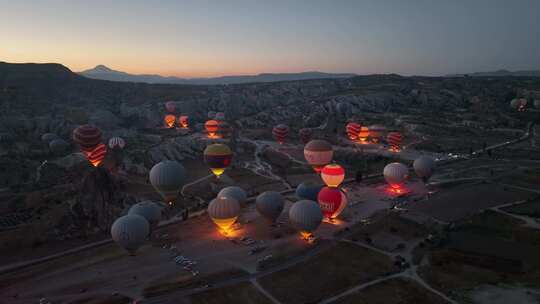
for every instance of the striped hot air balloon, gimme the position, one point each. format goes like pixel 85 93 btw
pixel 318 154
pixel 212 127
pixel 169 120
pixel 218 157
pixel 280 133
pixel 170 106
pixel 332 201
pixel 235 192
pixel 364 134
pixel 224 211
pixel 270 205
pixel 333 175
pixel 117 143
pixel 88 137
pixel 394 140
pixel 97 155
pixel 353 130
pixel 183 121
pixel 305 135
pixel 130 232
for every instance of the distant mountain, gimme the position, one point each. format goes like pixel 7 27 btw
pixel 104 73
pixel 500 73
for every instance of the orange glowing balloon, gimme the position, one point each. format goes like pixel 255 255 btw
pixel 211 126
pixel 183 121
pixel 170 120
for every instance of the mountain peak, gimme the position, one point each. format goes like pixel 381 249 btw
pixel 102 68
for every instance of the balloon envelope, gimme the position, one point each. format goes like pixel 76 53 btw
pixel 308 191
pixel 280 133
pixel 58 146
pixel 235 192
pixel 147 209
pixel 333 175
pixel 305 135
pixel 170 106
pixel 130 232
pixel 395 174
pixel 270 204
pixel 167 177
pixel 318 153
pixel 169 120
pixel 218 157
pixel 332 201
pixel 305 216
pixel 424 166
pixel 96 156
pixel 224 211
pixel 353 130
pixel 117 143
pixel 87 137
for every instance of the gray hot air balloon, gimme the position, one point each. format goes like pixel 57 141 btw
pixel 536 103
pixel 395 174
pixel 147 209
pixel 224 211
pixel 219 116
pixel 424 166
pixel 130 232
pixel 305 216
pixel 48 137
pixel 167 177
pixel 235 192
pixel 270 205
pixel 58 146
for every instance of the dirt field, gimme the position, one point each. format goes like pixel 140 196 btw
pixel 335 270
pixel 459 202
pixel 531 209
pixel 240 293
pixel 393 291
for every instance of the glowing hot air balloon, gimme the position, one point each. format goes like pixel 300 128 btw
pixel 87 137
pixel 318 154
pixel 376 132
pixel 218 157
pixel 280 133
pixel 183 121
pixel 220 116
pixel 519 104
pixel 364 134
pixel 97 155
pixel 169 120
pixel 305 135
pixel 117 143
pixel 305 216
pixel 394 140
pixel 395 174
pixel 167 177
pixel 333 175
pixel 170 106
pixel 130 232
pixel 212 127
pixel 353 130
pixel 224 211
pixel 332 202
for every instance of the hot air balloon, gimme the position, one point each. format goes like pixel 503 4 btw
pixel 130 232
pixel 353 130
pixel 395 174
pixel 305 135
pixel 270 205
pixel 318 154
pixel 235 192
pixel 224 211
pixel 394 140
pixel 58 146
pixel 170 106
pixel 167 177
pixel 220 116
pixel 364 134
pixel 376 132
pixel 333 175
pixel 212 127
pixel 169 120
pixel 87 137
pixel 308 191
pixel 97 155
pixel 149 210
pixel 48 137
pixel 280 133
pixel 218 157
pixel 117 143
pixel 211 115
pixel 305 216
pixel 423 167
pixel 519 104
pixel 332 202
pixel 183 121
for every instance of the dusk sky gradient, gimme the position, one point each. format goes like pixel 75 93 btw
pixel 201 38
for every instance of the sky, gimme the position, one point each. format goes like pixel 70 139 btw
pixel 204 38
